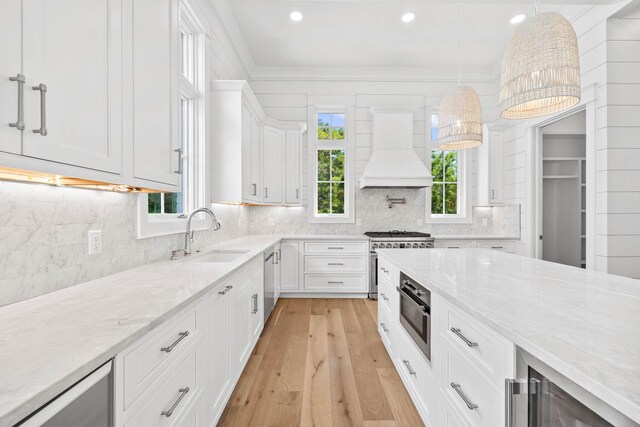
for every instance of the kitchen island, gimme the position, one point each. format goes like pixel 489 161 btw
pixel 582 324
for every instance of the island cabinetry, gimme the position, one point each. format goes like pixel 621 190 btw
pixel 508 246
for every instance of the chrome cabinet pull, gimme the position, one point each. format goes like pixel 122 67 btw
pixel 225 290
pixel 266 192
pixel 179 151
pixel 335 248
pixel 254 301
pixel 297 194
pixel 493 194
pixel 409 368
pixel 463 396
pixel 497 247
pixel 453 247
pixel 335 283
pixel 255 189
pixel 335 263
pixel 384 297
pixel 183 335
pixel 468 342
pixel 384 328
pixel 21 79
pixel 183 392
pixel 43 109
pixel 279 256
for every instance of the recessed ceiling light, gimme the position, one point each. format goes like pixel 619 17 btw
pixel 518 18
pixel 408 17
pixel 296 16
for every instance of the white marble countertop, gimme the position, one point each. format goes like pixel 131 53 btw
pixel 474 237
pixel 50 342
pixel 583 324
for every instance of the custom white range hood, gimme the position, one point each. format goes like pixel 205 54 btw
pixel 393 162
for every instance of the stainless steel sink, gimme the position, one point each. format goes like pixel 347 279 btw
pixel 219 256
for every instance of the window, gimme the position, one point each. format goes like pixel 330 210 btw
pixel 448 200
pixel 332 164
pixel 165 212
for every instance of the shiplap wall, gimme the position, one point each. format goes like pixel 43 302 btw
pixel 288 100
pixel 618 149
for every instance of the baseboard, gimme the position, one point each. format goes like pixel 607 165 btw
pixel 322 295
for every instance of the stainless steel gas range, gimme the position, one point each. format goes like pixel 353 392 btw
pixel 388 240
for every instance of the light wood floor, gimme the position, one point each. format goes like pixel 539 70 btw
pixel 320 362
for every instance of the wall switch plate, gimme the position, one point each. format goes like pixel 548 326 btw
pixel 95 242
pixel 485 222
pixel 419 222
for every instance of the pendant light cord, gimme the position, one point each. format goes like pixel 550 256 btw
pixel 460 46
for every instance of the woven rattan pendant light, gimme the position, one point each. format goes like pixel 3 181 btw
pixel 541 68
pixel 460 115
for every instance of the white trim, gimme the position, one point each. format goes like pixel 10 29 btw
pixel 348 145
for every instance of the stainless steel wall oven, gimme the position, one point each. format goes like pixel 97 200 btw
pixel 415 312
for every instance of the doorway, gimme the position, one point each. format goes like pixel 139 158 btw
pixel 562 207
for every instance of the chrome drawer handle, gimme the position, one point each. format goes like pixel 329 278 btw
pixel 255 189
pixel 183 335
pixel 409 368
pixel 335 263
pixel 497 247
pixel 463 396
pixel 384 297
pixel 21 79
pixel 466 340
pixel 183 393
pixel 226 289
pixel 297 194
pixel 266 193
pixel 384 328
pixel 179 151
pixel 254 300
pixel 336 247
pixel 335 283
pixel 43 109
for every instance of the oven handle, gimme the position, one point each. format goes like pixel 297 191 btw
pixel 425 309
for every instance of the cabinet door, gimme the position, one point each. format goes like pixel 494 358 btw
pixel 290 266
pixel 255 155
pixel 156 107
pixel 293 181
pixel 250 155
pixel 74 47
pixel 273 159
pixel 241 324
pixel 496 185
pixel 10 67
pixel 219 356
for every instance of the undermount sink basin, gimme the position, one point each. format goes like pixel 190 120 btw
pixel 219 256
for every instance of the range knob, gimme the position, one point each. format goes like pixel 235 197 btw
pixel 374 246
pixel 396 245
pixel 416 245
pixel 423 245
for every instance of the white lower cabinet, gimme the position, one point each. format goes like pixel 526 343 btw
pixel 289 266
pixel 183 372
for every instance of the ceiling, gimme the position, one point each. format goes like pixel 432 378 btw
pixel 370 33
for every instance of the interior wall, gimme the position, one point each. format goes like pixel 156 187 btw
pixel 288 100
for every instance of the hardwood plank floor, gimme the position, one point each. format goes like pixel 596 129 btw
pixel 320 362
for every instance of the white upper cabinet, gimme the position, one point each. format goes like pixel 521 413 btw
pixel 71 56
pixel 153 64
pixel 10 67
pixel 236 143
pixel 273 149
pixel 293 167
pixel 491 169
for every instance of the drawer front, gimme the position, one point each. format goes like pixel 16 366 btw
pixel 487 352
pixel 388 271
pixel 449 416
pixel 387 330
pixel 417 371
pixel 388 298
pixel 335 283
pixel 331 264
pixel 454 244
pixel 171 393
pixel 143 364
pixel 360 248
pixel 507 246
pixel 481 404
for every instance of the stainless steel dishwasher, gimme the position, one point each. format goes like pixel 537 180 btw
pixel 269 283
pixel 88 403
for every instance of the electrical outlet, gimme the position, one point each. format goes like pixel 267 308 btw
pixel 358 222
pixel 271 222
pixel 419 222
pixel 485 222
pixel 95 242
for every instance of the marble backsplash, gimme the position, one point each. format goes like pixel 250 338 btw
pixel 43 237
pixel 374 214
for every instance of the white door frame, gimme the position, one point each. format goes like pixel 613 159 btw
pixel 534 151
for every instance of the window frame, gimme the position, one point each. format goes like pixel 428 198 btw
pixel 464 161
pixel 194 157
pixel 348 145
